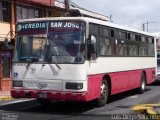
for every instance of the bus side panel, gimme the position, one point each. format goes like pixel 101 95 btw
pixel 151 75
pixel 123 81
pixel 94 86
pixel 120 81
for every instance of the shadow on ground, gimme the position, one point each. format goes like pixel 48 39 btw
pixel 63 108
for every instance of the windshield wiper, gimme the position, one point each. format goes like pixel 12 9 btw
pixel 28 64
pixel 58 66
pixel 50 60
pixel 31 61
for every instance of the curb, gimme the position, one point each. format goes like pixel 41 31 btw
pixel 3 98
pixel 149 109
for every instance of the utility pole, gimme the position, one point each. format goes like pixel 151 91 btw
pixel 147 23
pixel 67 5
pixel 143 27
pixel 110 18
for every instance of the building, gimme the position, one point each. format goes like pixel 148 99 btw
pixel 10 12
pixel 13 10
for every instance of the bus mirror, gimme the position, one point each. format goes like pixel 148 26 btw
pixel 92 39
pixel 92 47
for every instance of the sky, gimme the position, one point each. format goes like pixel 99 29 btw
pixel 131 13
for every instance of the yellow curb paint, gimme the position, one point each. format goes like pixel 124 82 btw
pixel 151 111
pixel 6 98
pixel 147 108
pixel 142 107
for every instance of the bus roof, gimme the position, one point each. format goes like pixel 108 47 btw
pixel 91 20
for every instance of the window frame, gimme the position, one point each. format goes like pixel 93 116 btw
pixel 110 37
pixel 20 14
pixel 4 11
pixel 131 37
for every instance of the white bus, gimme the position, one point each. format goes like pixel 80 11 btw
pixel 80 59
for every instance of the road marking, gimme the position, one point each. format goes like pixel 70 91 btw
pixel 30 107
pixel 17 101
pixel 2 111
pixel 135 96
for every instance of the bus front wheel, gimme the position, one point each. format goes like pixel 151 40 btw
pixel 102 100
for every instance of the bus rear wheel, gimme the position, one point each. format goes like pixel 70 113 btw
pixel 142 87
pixel 102 100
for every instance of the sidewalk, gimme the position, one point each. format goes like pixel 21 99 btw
pixel 5 95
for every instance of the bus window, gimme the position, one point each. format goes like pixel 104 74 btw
pixel 105 46
pixel 121 47
pixel 133 48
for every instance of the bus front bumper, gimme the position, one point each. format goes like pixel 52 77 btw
pixel 51 95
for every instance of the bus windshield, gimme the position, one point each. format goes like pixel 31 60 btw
pixel 51 41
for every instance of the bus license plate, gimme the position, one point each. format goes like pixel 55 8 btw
pixel 42 95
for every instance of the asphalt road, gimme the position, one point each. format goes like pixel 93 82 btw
pixel 118 107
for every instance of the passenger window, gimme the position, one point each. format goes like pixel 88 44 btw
pixel 105 46
pixel 142 49
pixel 121 47
pixel 133 48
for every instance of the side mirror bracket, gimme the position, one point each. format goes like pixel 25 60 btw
pixel 91 44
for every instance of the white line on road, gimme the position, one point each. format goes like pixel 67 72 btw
pixel 30 107
pixel 17 101
pixel 134 96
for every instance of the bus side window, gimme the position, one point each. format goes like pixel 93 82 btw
pixel 105 46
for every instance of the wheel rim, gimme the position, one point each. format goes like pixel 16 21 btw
pixel 103 91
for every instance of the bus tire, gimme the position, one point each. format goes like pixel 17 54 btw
pixel 142 87
pixel 102 100
pixel 44 101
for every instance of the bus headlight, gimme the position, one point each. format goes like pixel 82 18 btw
pixel 75 86
pixel 17 83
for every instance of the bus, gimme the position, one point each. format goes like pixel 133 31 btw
pixel 80 59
